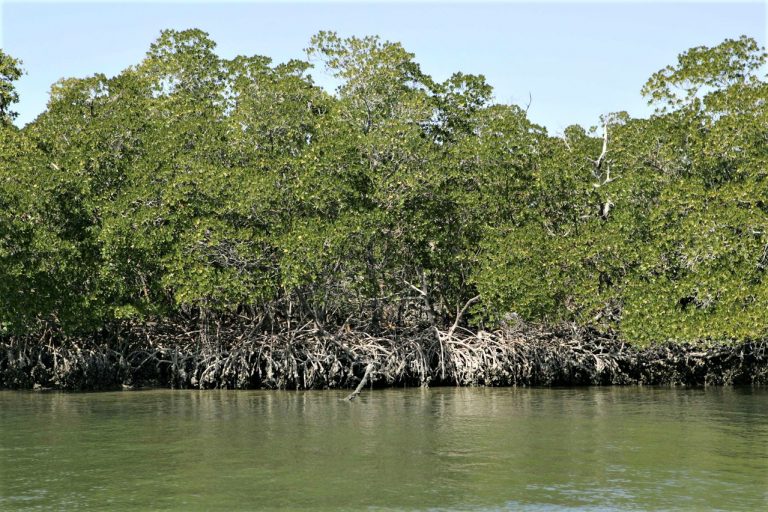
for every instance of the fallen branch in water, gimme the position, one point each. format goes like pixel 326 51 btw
pixel 353 395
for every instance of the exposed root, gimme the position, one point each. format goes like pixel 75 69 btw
pixel 312 358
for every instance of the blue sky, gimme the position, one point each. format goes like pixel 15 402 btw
pixel 577 60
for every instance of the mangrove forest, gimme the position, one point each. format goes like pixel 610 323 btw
pixel 196 221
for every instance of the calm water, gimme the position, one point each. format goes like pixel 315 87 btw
pixel 456 449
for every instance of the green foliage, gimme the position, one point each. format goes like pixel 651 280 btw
pixel 670 244
pixel 10 71
pixel 200 187
pixel 701 70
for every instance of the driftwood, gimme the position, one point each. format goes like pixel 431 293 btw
pixel 307 357
pixel 368 370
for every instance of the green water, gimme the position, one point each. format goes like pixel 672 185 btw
pixel 456 449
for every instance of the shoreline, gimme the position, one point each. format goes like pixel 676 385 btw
pixel 315 359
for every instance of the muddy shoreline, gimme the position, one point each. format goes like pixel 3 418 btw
pixel 311 358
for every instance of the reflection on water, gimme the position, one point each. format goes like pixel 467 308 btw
pixel 443 448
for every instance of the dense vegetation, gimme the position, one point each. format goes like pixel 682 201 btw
pixel 201 191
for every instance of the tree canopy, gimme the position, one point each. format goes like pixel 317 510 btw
pixel 192 186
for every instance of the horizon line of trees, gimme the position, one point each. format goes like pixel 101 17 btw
pixel 193 187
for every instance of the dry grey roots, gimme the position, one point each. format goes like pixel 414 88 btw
pixel 311 358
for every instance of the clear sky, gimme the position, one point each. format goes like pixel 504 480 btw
pixel 577 60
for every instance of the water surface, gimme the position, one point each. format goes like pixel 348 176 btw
pixel 417 449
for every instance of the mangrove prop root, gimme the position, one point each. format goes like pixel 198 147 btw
pixel 238 357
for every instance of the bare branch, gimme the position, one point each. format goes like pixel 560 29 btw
pixel 461 313
pixel 598 173
pixel 368 370
pixel 418 290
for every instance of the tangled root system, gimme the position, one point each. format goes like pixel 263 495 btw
pixel 311 358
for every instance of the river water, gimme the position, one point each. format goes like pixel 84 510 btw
pixel 416 449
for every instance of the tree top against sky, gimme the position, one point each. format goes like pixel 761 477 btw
pixel 573 61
